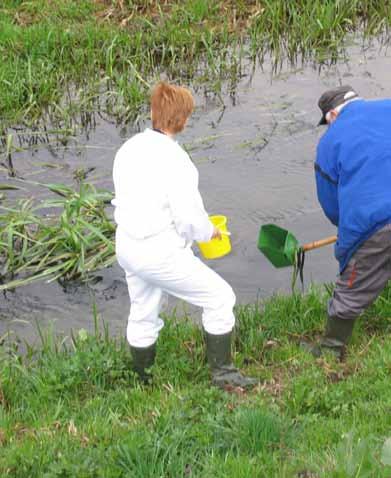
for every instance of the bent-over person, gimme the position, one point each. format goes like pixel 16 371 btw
pixel 353 178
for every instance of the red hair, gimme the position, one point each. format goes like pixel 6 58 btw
pixel 171 107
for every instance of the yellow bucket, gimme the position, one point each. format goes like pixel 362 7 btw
pixel 217 247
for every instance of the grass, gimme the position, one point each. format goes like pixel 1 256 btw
pixel 64 238
pixel 301 29
pixel 71 407
pixel 68 57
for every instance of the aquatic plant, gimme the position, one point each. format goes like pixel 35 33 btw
pixel 63 238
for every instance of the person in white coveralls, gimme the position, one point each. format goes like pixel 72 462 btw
pixel 159 212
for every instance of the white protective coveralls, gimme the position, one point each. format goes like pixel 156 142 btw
pixel 159 212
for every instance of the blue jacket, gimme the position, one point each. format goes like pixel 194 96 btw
pixel 353 173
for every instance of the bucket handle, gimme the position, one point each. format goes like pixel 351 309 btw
pixel 316 244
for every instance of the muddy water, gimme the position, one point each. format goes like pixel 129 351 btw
pixel 255 158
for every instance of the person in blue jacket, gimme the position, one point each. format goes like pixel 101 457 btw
pixel 353 179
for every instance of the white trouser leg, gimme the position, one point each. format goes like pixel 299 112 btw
pixel 144 322
pixel 160 266
pixel 184 276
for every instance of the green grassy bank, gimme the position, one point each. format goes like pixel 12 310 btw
pixel 65 57
pixel 71 408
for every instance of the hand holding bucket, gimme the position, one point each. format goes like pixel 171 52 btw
pixel 216 248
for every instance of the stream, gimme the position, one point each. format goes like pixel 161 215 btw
pixel 255 157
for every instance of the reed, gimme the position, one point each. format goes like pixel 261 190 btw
pixel 63 238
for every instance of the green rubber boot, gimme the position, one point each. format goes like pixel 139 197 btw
pixel 218 350
pixel 143 359
pixel 336 336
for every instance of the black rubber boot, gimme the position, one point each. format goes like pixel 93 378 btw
pixel 218 350
pixel 143 359
pixel 336 336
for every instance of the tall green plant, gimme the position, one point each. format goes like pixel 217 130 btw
pixel 72 241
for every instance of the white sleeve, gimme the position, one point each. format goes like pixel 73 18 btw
pixel 190 218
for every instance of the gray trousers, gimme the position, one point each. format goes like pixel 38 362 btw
pixel 364 278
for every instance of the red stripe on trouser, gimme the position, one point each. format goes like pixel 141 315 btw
pixel 352 277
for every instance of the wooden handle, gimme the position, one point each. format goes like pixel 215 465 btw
pixel 316 244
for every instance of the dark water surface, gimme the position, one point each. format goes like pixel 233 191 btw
pixel 255 159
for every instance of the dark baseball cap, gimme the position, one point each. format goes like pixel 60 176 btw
pixel 333 98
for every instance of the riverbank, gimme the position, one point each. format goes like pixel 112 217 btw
pixel 69 57
pixel 72 408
